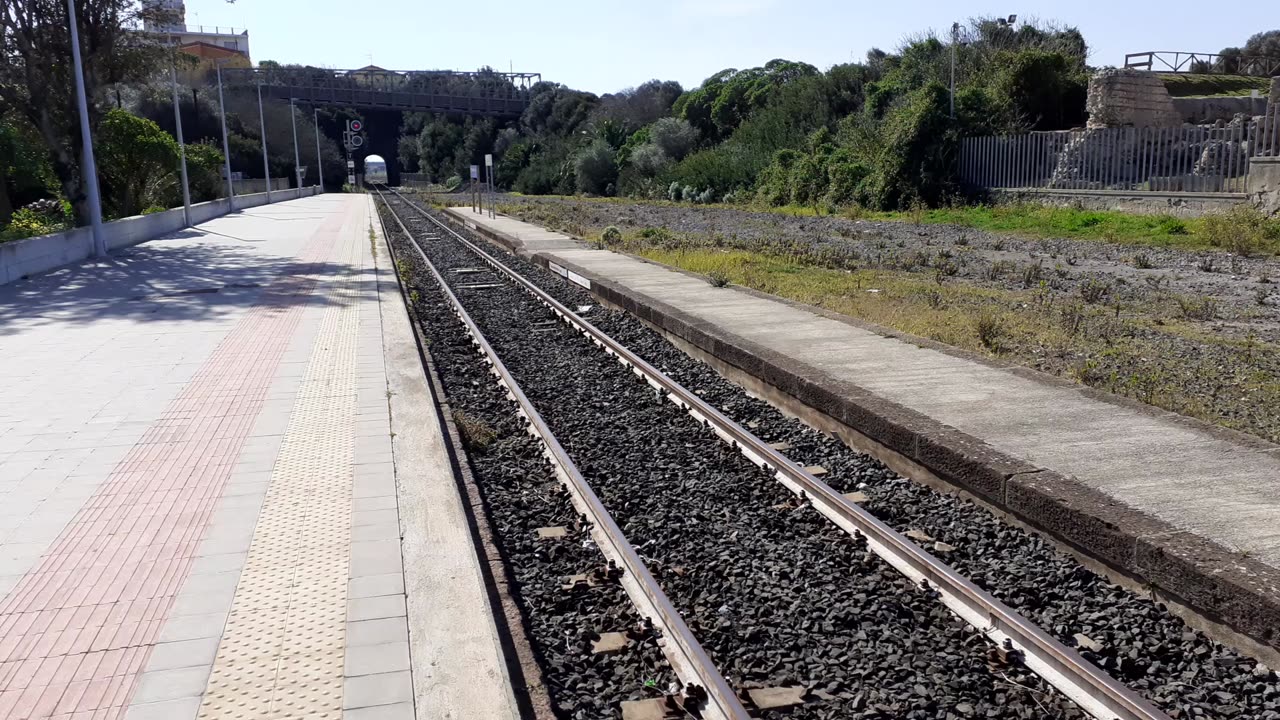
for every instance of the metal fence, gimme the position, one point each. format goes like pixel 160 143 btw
pixel 1203 63
pixel 1202 159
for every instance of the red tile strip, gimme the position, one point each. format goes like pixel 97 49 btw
pixel 78 628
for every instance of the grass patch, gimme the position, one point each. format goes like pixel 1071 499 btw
pixel 1154 351
pixel 1198 85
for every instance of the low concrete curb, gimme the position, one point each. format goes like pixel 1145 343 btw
pixel 459 661
pixel 1225 587
pixel 30 256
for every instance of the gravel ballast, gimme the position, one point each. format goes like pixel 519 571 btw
pixel 1136 640
pixel 522 495
pixel 778 595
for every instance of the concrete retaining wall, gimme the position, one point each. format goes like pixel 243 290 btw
pixel 22 258
pixel 1207 110
pixel 1145 203
pixel 253 186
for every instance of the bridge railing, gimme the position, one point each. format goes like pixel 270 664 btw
pixel 1203 63
pixel 489 93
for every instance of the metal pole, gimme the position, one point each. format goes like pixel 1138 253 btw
pixel 90 169
pixel 297 158
pixel 182 149
pixel 319 164
pixel 954 33
pixel 266 167
pixel 226 147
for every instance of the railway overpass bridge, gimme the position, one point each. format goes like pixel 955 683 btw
pixel 485 93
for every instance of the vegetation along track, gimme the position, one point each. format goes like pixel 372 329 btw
pixel 832 636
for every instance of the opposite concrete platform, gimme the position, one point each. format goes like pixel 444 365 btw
pixel 1192 509
pixel 203 511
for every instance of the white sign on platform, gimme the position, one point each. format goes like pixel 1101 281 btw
pixel 578 279
pixel 558 270
pixel 488 161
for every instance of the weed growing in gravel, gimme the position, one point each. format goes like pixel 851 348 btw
pixel 1243 230
pixel 1207 263
pixel 1198 308
pixel 991 330
pixel 718 278
pixel 1143 261
pixel 476 434
pixel 1032 275
pixel 1093 290
pixel 1072 318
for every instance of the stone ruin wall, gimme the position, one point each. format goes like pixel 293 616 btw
pixel 1121 97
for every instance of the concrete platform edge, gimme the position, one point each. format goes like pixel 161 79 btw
pixel 1222 585
pixel 457 659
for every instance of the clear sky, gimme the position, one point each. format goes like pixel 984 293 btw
pixel 607 45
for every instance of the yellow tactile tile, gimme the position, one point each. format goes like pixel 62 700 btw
pixel 281 654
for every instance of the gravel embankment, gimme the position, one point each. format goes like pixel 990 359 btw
pixel 777 595
pixel 1135 639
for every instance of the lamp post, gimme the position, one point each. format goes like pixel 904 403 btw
pixel 266 167
pixel 297 158
pixel 182 149
pixel 90 169
pixel 226 147
pixel 319 164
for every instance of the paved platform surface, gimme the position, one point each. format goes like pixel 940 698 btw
pixel 200 510
pixel 1191 478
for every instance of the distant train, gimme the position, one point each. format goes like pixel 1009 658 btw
pixel 375 171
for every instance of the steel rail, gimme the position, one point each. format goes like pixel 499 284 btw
pixel 1099 694
pixel 653 601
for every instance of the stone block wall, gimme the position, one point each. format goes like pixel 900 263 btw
pixel 1121 97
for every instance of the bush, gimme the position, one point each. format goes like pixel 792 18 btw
pixel 42 217
pixel 1243 230
pixel 674 137
pixel 611 235
pixel 649 160
pixel 718 278
pixel 595 169
pixel 453 183
pixel 990 329
pixel 154 209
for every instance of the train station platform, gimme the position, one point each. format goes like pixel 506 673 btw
pixel 1178 506
pixel 222 491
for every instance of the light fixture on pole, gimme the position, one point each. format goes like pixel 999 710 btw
pixel 266 167
pixel 319 163
pixel 89 171
pixel 182 149
pixel 297 158
pixel 226 147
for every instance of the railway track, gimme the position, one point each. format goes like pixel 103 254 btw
pixel 797 544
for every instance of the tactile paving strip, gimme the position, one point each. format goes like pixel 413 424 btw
pixel 77 629
pixel 281 654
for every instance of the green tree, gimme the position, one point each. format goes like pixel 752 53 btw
pixel 138 164
pixel 36 77
pixel 25 174
pixel 204 172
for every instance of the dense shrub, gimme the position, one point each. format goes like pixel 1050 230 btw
pixel 595 168
pixel 1243 230
pixel 41 217
pixel 674 137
